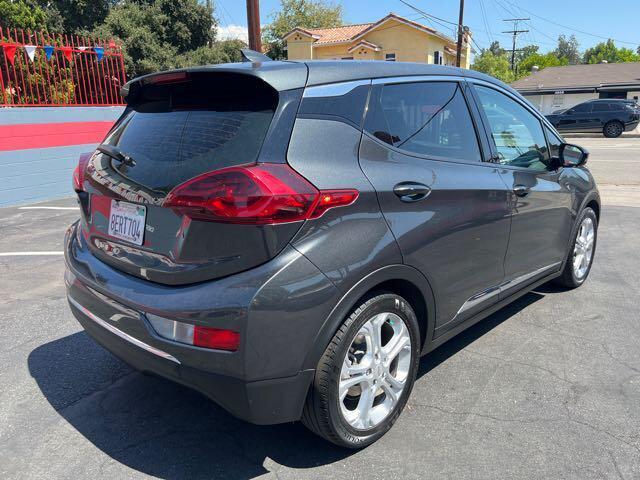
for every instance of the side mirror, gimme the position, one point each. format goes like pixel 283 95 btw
pixel 572 155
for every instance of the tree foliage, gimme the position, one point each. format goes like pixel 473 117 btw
pixel 568 48
pixel 156 33
pixel 22 14
pixel 541 61
pixel 495 65
pixel 298 13
pixel 76 15
pixel 609 52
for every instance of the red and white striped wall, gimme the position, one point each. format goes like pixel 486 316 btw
pixel 40 146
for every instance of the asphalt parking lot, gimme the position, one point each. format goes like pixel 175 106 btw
pixel 548 387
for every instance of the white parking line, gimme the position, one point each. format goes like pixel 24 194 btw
pixel 48 208
pixel 29 254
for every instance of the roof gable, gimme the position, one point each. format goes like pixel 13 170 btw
pixel 581 76
pixel 352 33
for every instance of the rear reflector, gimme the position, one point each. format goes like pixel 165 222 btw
pixel 254 195
pixel 217 338
pixel 205 337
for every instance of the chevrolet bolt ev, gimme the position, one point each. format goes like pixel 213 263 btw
pixel 289 238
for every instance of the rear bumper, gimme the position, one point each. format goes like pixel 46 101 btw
pixel 263 382
pixel 261 402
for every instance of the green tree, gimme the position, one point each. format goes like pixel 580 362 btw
pixel 525 52
pixel 541 61
pixel 609 52
pixel 495 65
pixel 219 52
pixel 22 14
pixel 568 48
pixel 155 33
pixel 496 49
pixel 75 15
pixel 298 13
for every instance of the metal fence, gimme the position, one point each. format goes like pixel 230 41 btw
pixel 45 69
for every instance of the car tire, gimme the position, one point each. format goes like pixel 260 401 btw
pixel 582 244
pixel 613 129
pixel 330 416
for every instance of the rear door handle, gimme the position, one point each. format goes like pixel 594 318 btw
pixel 411 191
pixel 521 190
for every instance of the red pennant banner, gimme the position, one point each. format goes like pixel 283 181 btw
pixel 10 52
pixel 67 51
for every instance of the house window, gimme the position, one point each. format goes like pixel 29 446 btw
pixel 558 99
pixel 438 57
pixel 390 57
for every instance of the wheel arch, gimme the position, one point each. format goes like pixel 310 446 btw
pixel 592 200
pixel 403 280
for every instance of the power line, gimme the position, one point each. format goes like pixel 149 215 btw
pixel 427 14
pixel 484 19
pixel 571 28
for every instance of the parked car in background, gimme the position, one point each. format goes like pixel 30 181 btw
pixel 289 238
pixel 612 117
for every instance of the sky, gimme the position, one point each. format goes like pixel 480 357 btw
pixel 590 21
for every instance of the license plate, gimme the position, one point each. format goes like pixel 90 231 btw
pixel 127 221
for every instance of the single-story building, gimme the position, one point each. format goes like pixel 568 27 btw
pixel 555 88
pixel 392 38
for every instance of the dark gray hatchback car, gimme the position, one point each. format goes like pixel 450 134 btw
pixel 289 238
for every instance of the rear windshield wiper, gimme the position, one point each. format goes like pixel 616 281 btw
pixel 117 154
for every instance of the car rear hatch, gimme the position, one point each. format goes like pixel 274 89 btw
pixel 146 192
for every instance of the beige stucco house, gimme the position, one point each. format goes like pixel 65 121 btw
pixel 393 38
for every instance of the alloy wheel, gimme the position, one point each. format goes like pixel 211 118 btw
pixel 583 249
pixel 613 130
pixel 374 371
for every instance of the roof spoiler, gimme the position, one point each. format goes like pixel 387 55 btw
pixel 249 55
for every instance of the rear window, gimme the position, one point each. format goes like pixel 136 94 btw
pixel 601 107
pixel 193 128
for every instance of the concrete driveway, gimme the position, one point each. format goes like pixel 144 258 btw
pixel 548 387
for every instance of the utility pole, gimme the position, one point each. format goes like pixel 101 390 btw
pixel 253 24
pixel 460 34
pixel 515 33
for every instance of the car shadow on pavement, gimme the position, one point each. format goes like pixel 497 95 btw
pixel 163 429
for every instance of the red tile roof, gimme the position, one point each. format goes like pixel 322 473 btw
pixel 338 34
pixel 347 33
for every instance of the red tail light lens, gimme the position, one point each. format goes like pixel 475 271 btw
pixel 256 195
pixel 333 198
pixel 217 338
pixel 78 172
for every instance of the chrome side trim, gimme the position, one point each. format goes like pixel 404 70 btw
pixel 333 89
pixel 527 276
pixel 491 292
pixel 121 334
pixel 478 298
pixel 418 78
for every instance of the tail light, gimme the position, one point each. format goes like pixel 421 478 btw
pixel 205 337
pixel 254 195
pixel 78 172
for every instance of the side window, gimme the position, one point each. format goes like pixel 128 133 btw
pixel 427 118
pixel 601 107
pixel 554 142
pixel 582 108
pixel 516 132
